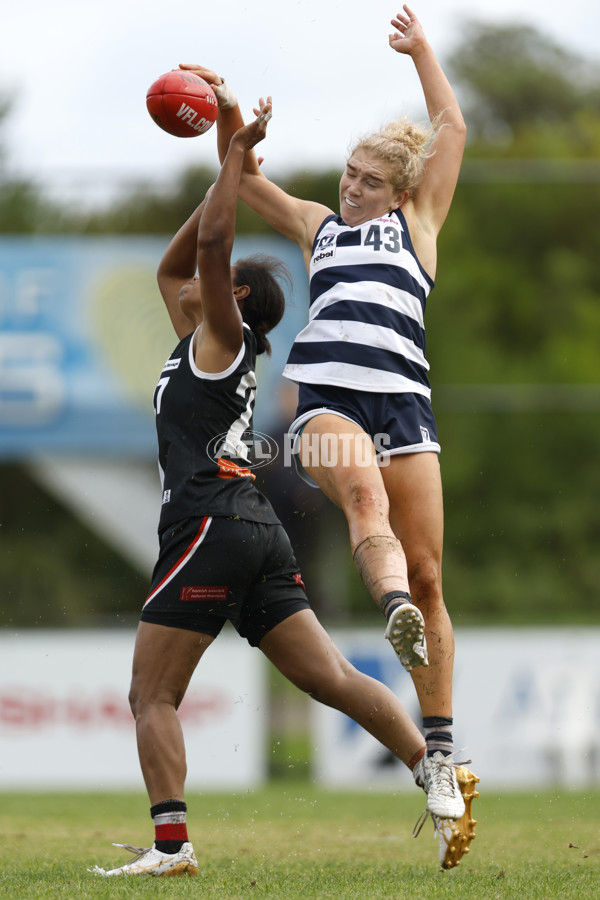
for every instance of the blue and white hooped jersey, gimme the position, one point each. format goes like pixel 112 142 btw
pixel 366 328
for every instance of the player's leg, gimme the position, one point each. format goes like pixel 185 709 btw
pixel 164 660
pixel 340 458
pixel 414 488
pixel 303 651
pixel 306 655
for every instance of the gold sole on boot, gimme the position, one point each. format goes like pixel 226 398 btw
pixel 463 831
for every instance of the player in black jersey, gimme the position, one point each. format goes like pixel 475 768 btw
pixel 223 553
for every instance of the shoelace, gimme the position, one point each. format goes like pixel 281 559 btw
pixel 138 852
pixel 420 822
pixel 442 772
pixel 437 822
pixel 450 761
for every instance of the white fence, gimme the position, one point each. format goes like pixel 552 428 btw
pixel 527 711
pixel 65 720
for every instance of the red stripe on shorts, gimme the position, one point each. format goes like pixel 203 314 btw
pixel 200 535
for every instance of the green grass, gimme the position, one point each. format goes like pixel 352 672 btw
pixel 295 841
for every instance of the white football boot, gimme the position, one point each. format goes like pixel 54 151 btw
pixel 437 776
pixel 150 861
pixel 454 835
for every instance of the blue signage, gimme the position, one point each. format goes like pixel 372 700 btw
pixel 84 335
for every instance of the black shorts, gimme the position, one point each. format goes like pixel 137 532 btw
pixel 218 568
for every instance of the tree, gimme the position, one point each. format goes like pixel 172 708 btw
pixel 515 77
pixel 23 208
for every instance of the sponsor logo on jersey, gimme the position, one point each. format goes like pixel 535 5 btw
pixel 327 254
pixel 171 364
pixel 325 248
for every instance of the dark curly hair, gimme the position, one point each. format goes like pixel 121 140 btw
pixel 264 306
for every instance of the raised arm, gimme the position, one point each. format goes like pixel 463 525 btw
pixel 177 267
pixel 294 218
pixel 433 197
pixel 221 333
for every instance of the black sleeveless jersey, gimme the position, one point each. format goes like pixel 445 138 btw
pixel 204 427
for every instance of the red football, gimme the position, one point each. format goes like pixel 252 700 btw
pixel 182 103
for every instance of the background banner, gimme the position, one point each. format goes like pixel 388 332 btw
pixel 84 335
pixel 526 710
pixel 65 720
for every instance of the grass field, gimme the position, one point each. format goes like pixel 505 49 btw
pixel 293 840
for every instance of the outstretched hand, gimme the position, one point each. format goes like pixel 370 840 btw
pixel 409 33
pixel 208 74
pixel 251 134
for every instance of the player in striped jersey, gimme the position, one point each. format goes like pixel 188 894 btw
pixel 223 553
pixel 362 371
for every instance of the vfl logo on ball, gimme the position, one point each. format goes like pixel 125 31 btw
pixel 189 115
pixel 257 450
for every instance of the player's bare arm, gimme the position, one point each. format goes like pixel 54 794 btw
pixel 221 335
pixel 434 196
pixel 176 268
pixel 294 218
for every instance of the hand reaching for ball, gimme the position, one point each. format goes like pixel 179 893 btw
pixel 251 134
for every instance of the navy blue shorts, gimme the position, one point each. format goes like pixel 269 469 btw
pixel 215 569
pixel 396 423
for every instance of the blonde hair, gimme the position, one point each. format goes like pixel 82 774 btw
pixel 405 146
